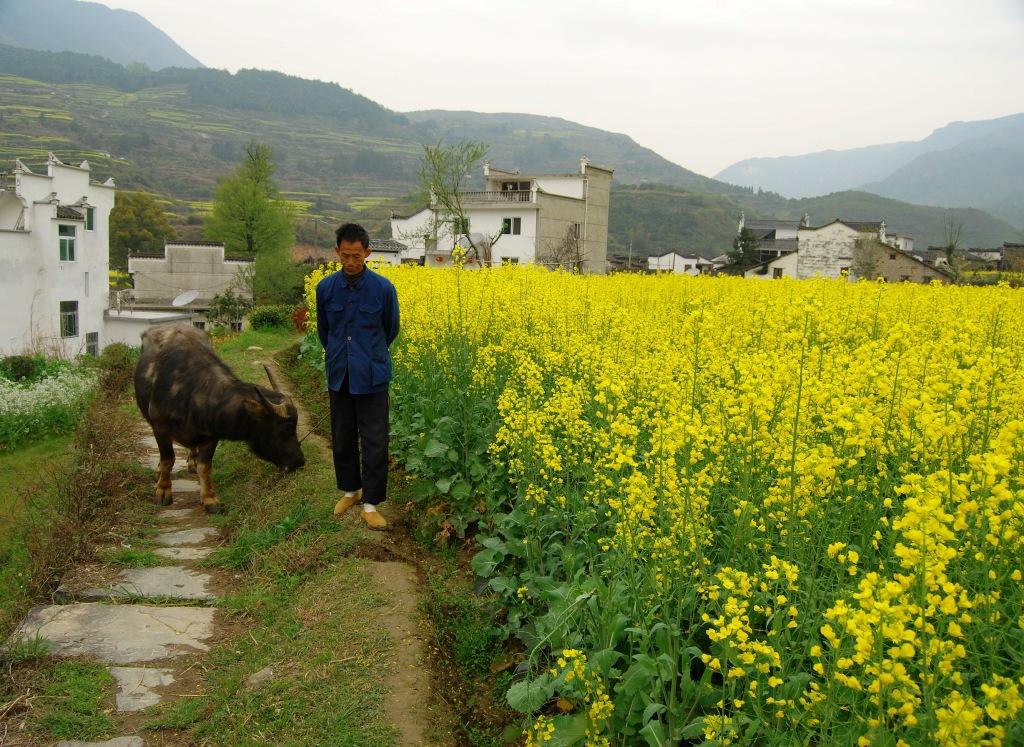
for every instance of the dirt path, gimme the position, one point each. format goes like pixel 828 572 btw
pixel 408 678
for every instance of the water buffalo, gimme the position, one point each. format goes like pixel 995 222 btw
pixel 188 395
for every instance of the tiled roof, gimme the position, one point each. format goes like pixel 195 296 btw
pixel 193 243
pixel 755 224
pixel 387 245
pixel 66 213
pixel 861 225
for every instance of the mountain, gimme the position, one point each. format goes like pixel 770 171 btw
pixel 963 164
pixel 537 144
pixel 986 171
pixel 341 156
pixel 91 28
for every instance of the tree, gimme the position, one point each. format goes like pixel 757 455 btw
pixel 745 248
pixel 250 217
pixel 566 253
pixel 137 224
pixel 866 258
pixel 444 170
pixel 951 239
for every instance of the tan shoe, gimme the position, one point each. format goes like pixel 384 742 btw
pixel 347 502
pixel 374 520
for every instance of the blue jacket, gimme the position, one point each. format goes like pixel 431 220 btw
pixel 357 323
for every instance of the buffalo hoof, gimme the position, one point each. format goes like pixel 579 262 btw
pixel 213 508
pixel 166 500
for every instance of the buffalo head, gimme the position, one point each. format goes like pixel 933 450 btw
pixel 273 419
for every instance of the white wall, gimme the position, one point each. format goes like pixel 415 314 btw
pixel 35 281
pixel 787 263
pixel 486 221
pixel 567 186
pixel 827 250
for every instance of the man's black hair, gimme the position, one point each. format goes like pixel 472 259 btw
pixel 352 232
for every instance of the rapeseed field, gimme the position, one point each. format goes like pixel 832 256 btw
pixel 728 511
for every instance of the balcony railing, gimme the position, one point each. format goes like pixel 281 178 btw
pixel 521 195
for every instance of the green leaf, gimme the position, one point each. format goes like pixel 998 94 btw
pixel 655 734
pixel 653 710
pixel 569 730
pixel 435 449
pixel 444 484
pixel 461 490
pixel 529 695
pixel 485 561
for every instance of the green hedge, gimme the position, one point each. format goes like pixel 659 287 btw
pixel 263 317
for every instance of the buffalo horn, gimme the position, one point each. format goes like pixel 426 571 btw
pixel 273 379
pixel 280 409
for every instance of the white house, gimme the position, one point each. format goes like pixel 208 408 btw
pixel 551 219
pixel 680 264
pixel 54 259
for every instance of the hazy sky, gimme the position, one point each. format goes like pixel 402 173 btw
pixel 703 82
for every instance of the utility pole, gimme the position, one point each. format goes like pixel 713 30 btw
pixel 629 262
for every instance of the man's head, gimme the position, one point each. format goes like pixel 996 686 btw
pixel 352 247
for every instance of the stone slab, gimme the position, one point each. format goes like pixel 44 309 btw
pixel 184 486
pixel 168 581
pixel 115 742
pixel 120 634
pixel 183 553
pixel 135 686
pixel 152 460
pixel 184 537
pixel 176 514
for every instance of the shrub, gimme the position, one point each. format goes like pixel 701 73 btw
pixel 51 405
pixel 277 315
pixel 117 365
pixel 21 367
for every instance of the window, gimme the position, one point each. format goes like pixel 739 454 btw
pixel 67 243
pixel 92 343
pixel 844 270
pixel 69 318
pixel 892 255
pixel 511 226
pixel 515 186
pixel 776 273
pixel 199 325
pixel 576 230
pixel 510 260
pixel 90 218
pixel 236 326
pixel 460 226
pixel 904 278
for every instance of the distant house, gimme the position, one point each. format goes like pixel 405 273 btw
pixel 551 219
pixel 1013 257
pixel 774 237
pixel 680 264
pixel 849 248
pixel 54 259
pixel 383 250
pixel 200 266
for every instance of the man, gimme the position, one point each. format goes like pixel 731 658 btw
pixel 357 320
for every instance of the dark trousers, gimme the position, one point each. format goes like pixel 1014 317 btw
pixel 360 420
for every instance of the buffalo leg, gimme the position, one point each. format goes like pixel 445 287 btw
pixel 204 464
pixel 190 465
pixel 163 470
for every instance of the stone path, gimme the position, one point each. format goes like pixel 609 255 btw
pixel 133 623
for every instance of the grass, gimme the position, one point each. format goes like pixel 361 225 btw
pixel 132 558
pixel 27 495
pixel 73 700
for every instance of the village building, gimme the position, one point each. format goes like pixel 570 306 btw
pixel 680 264
pixel 201 267
pixel 54 259
pixel 774 237
pixel 854 249
pixel 558 220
